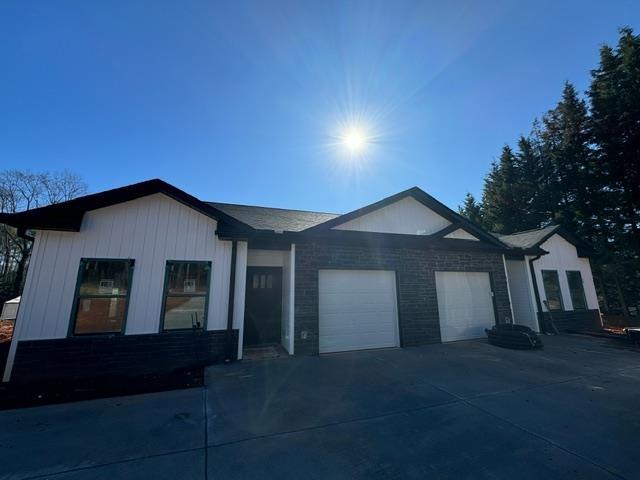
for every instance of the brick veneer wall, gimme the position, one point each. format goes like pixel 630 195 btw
pixel 572 320
pixel 119 355
pixel 415 275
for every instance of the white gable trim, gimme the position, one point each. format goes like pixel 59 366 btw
pixel 461 234
pixel 406 216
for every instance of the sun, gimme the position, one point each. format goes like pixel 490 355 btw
pixel 354 140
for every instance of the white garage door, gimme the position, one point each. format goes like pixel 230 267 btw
pixel 465 304
pixel 357 310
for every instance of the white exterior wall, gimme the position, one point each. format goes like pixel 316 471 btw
pixel 406 216
pixel 240 291
pixel 150 230
pixel 461 234
pixel 522 300
pixel 266 258
pixel 563 256
pixel 288 293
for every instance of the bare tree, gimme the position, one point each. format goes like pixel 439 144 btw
pixel 23 190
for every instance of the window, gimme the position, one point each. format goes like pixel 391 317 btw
pixel 262 280
pixel 552 289
pixel 102 294
pixel 186 294
pixel 576 290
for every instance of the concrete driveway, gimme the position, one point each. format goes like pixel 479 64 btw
pixel 464 410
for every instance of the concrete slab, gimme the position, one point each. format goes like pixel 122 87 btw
pixel 596 417
pixel 451 441
pixel 183 466
pixel 285 395
pixel 58 438
pixel 464 410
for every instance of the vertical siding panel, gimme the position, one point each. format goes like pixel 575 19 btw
pixel 41 311
pixel 150 230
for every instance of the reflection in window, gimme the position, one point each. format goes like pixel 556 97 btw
pixel 576 290
pixel 102 293
pixel 552 290
pixel 186 293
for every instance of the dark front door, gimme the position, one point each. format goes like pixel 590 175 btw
pixel 263 306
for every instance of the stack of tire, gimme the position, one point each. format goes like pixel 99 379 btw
pixel 508 335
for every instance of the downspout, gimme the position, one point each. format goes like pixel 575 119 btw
pixel 232 291
pixel 536 292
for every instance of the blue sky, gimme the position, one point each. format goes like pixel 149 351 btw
pixel 243 101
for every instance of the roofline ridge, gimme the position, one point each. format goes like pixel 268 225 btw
pixel 271 208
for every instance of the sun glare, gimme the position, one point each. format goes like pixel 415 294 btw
pixel 354 140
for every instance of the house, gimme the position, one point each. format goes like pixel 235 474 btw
pixel 148 278
pixel 10 309
pixel 557 285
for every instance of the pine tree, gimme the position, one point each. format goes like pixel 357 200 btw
pixel 502 205
pixel 615 132
pixel 565 144
pixel 471 209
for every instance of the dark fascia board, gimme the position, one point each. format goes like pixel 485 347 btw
pixel 67 216
pixel 422 197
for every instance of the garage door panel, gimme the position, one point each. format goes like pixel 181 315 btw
pixel 465 304
pixel 357 310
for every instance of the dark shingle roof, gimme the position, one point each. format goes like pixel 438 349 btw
pixel 280 219
pixel 529 238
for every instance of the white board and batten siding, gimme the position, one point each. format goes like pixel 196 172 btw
pixel 460 234
pixel 406 216
pixel 522 297
pixel 563 257
pixel 150 230
pixel 357 310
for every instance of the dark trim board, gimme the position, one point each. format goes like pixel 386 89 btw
pixel 67 216
pixel 85 357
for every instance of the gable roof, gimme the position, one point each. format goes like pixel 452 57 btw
pixel 530 239
pixel 457 220
pixel 67 216
pixel 277 219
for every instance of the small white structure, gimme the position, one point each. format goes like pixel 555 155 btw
pixel 557 285
pixel 10 309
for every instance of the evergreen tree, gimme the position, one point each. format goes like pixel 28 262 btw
pixel 501 200
pixel 470 209
pixel 615 130
pixel 565 145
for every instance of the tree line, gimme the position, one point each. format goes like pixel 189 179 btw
pixel 23 190
pixel 580 167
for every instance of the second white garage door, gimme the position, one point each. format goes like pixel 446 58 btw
pixel 357 309
pixel 465 304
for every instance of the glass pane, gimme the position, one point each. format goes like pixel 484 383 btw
pixel 100 315
pixel 552 289
pixel 269 281
pixel 184 312
pixel 187 277
pixel 104 277
pixel 263 280
pixel 256 280
pixel 576 290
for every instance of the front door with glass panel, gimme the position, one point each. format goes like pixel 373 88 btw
pixel 263 306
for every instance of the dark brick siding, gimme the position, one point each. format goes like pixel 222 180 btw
pixel 572 320
pixel 415 276
pixel 121 355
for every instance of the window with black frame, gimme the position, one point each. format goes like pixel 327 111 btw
pixel 102 295
pixel 576 290
pixel 551 284
pixel 186 295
